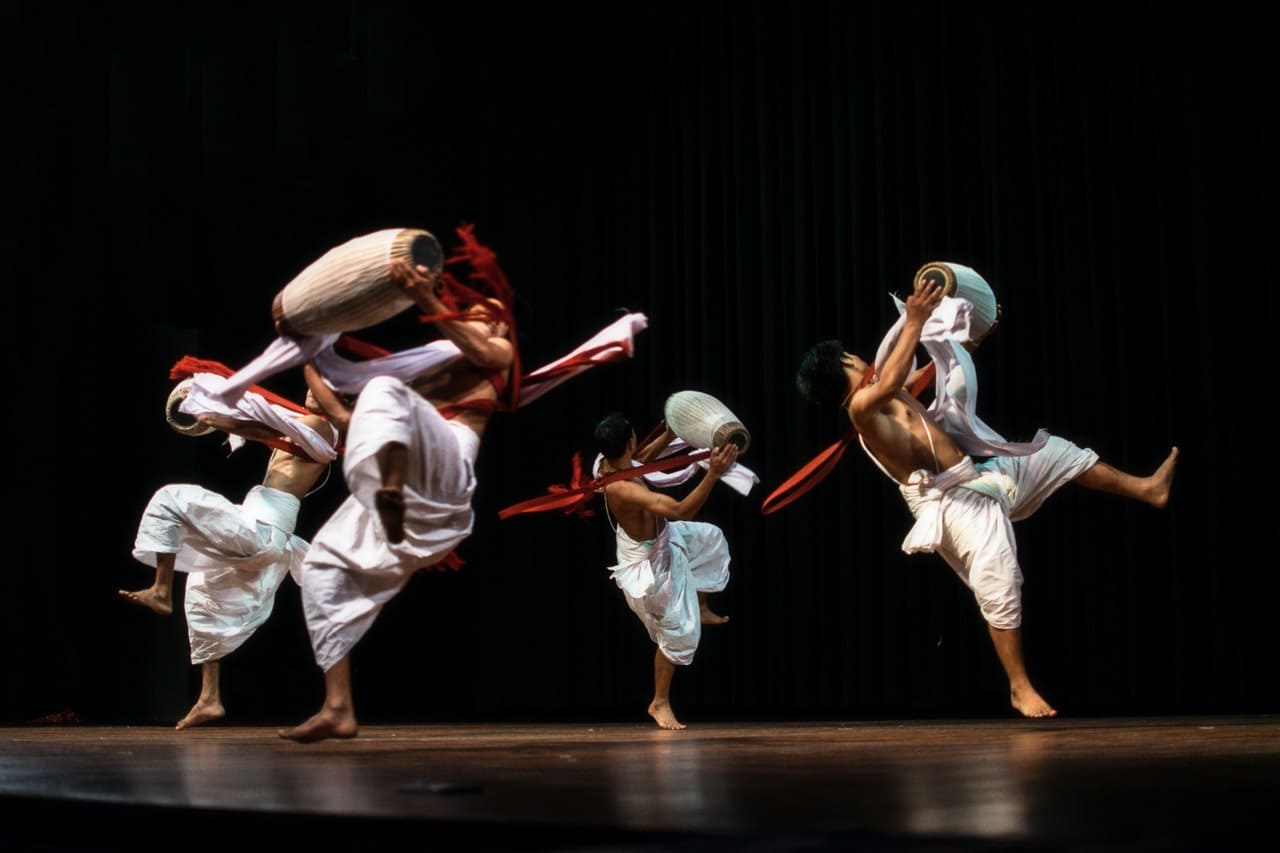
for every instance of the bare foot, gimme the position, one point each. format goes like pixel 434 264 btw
pixel 203 711
pixel 1029 703
pixel 1162 481
pixel 710 617
pixel 324 725
pixel 390 504
pixel 664 716
pixel 150 599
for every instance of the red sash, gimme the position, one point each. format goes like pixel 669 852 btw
pixel 813 471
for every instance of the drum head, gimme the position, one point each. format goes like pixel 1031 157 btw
pixel 427 251
pixel 940 274
pixel 181 422
pixel 964 282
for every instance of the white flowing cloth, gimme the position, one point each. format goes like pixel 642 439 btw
pixel 349 377
pixel 955 403
pixel 235 557
pixel 660 580
pixel 351 570
pixel 739 478
pixel 206 397
pixel 966 513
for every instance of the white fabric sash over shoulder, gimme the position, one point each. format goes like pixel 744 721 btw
pixel 955 403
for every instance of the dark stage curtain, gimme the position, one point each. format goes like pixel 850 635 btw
pixel 754 177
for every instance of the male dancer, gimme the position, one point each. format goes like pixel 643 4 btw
pixel 667 563
pixel 409 464
pixel 235 555
pixel 964 510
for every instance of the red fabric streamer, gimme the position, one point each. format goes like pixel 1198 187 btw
pixel 360 348
pixel 485 281
pixel 451 563
pixel 924 381
pixel 816 469
pixel 577 482
pixel 570 498
pixel 190 365
pixel 808 476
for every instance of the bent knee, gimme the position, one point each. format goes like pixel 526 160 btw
pixel 1003 616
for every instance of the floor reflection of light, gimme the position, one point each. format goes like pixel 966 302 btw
pixel 668 782
pixel 212 773
pixel 986 801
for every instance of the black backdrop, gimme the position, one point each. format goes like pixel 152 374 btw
pixel 753 176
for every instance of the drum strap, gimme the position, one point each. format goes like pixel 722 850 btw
pixel 816 469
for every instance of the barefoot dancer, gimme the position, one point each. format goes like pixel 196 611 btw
pixel 408 462
pixel 964 510
pixel 667 564
pixel 235 555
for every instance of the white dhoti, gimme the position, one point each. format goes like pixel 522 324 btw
pixel 351 570
pixel 235 557
pixel 660 579
pixel 966 513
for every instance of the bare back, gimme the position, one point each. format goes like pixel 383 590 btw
pixel 626 501
pixel 899 435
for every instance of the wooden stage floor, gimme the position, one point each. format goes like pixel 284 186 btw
pixel 1179 783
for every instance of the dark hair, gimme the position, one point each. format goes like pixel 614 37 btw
pixel 612 434
pixel 821 378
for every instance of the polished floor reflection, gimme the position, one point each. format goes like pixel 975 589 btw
pixel 1157 783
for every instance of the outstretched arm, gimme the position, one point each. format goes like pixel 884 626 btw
pixel 257 431
pixel 476 338
pixel 234 426
pixel 893 373
pixel 651 450
pixel 337 411
pixel 665 506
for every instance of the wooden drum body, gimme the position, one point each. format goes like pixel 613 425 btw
pixel 704 422
pixel 349 287
pixel 965 283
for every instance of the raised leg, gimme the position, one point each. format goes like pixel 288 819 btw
pixel 1152 489
pixel 393 460
pixel 159 596
pixel 709 616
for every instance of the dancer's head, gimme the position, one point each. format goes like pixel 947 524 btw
pixel 614 436
pixel 827 373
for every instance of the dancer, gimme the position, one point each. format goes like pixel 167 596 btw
pixel 964 510
pixel 235 555
pixel 667 564
pixel 409 464
pixel 413 433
